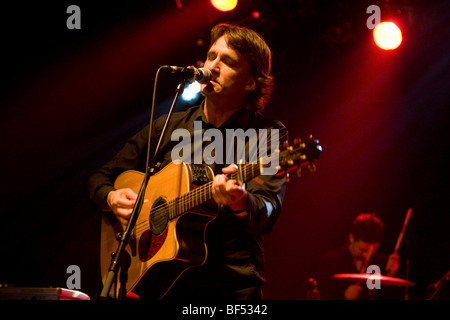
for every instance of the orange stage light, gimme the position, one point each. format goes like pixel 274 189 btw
pixel 387 35
pixel 224 5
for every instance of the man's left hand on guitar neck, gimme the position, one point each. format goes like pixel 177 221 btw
pixel 231 193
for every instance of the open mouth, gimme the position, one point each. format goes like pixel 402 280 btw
pixel 209 86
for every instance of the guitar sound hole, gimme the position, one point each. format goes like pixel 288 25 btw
pixel 159 216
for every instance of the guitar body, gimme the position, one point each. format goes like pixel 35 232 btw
pixel 161 248
pixel 169 235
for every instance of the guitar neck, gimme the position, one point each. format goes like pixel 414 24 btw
pixel 303 153
pixel 203 193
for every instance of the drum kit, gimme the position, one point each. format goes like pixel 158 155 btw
pixel 364 277
pixel 371 278
pixel 379 278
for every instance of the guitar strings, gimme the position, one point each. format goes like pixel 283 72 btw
pixel 176 206
pixel 189 200
pixel 185 201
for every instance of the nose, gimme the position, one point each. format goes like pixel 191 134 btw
pixel 213 66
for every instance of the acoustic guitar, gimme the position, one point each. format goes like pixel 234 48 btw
pixel 169 234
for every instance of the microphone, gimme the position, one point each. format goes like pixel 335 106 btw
pixel 201 75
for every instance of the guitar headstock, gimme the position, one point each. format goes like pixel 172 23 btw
pixel 298 155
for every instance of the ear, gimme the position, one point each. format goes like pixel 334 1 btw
pixel 251 84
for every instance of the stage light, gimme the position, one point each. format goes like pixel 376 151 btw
pixel 224 5
pixel 191 92
pixel 387 35
pixel 255 14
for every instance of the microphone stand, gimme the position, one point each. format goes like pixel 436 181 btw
pixel 117 258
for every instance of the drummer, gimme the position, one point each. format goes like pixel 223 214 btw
pixel 359 252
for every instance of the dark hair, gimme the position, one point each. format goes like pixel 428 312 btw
pixel 367 227
pixel 250 44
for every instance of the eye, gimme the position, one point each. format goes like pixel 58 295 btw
pixel 211 56
pixel 230 63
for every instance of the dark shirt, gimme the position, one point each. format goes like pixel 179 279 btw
pixel 235 247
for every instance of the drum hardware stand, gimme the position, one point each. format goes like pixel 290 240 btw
pixel 407 279
pixel 434 287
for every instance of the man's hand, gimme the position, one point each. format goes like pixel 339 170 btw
pixel 228 192
pixel 392 265
pixel 352 292
pixel 121 202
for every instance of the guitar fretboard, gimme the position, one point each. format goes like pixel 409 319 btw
pixel 203 193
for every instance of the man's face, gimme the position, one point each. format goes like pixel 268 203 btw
pixel 362 250
pixel 230 72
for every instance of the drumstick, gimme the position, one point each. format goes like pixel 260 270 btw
pixel 366 261
pixel 400 236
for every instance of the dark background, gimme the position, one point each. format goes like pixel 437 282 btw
pixel 71 98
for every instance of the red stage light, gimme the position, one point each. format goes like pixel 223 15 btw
pixel 224 5
pixel 256 14
pixel 387 35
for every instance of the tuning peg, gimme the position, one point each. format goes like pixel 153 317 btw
pixel 299 171
pixel 310 138
pixel 286 144
pixel 286 177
